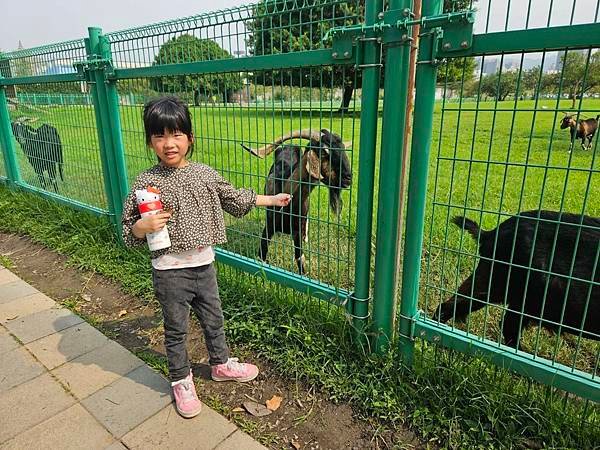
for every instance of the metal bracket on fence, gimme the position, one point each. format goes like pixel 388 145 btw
pixel 412 321
pixel 95 62
pixel 397 23
pixel 436 34
pixel 353 300
pixel 455 32
pixel 345 44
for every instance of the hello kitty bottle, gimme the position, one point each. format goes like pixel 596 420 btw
pixel 148 201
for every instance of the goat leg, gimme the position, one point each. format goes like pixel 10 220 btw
pixel 512 324
pixel 470 297
pixel 298 254
pixel 42 180
pixel 264 242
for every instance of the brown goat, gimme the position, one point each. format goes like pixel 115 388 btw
pixel 297 172
pixel 583 129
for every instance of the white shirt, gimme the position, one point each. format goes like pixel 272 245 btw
pixel 192 258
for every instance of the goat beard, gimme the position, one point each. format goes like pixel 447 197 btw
pixel 335 200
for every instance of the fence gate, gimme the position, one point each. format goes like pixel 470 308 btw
pixel 510 72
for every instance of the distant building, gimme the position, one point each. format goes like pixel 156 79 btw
pixel 490 66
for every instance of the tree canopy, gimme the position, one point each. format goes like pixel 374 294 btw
pixel 580 73
pixel 281 27
pixel 188 48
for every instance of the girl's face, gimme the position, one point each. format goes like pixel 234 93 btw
pixel 171 147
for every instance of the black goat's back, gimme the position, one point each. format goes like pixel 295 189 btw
pixel 549 260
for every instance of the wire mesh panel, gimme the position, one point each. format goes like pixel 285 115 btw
pixel 513 220
pixel 53 123
pixel 57 145
pixel 54 59
pixel 237 108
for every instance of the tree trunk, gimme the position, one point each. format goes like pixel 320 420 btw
pixel 348 91
pixel 573 95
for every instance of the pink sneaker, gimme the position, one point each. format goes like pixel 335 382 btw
pixel 186 400
pixel 233 370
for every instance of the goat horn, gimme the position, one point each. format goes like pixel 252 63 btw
pixel 267 149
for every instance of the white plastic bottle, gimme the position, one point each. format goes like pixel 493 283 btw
pixel 148 201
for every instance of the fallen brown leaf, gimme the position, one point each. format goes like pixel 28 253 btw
pixel 238 409
pixel 122 313
pixel 256 409
pixel 274 403
pixel 296 445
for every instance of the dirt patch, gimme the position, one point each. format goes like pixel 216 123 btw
pixel 305 420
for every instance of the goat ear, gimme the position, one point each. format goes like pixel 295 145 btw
pixel 313 164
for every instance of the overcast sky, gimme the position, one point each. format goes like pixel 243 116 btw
pixel 39 22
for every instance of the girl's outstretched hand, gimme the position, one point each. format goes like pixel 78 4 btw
pixel 281 199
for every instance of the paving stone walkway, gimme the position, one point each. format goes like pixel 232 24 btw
pixel 64 385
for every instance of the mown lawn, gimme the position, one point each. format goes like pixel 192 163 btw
pixel 487 161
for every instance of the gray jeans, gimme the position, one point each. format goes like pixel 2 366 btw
pixel 177 290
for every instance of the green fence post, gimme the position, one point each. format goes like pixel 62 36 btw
pixel 366 177
pixel 6 140
pixel 108 121
pixel 394 112
pixel 417 186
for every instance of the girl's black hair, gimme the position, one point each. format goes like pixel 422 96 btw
pixel 167 113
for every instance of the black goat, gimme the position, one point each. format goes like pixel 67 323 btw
pixel 43 149
pixel 583 129
pixel 540 294
pixel 297 172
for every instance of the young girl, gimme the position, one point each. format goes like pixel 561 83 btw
pixel 194 197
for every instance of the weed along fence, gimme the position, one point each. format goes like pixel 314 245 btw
pixel 285 97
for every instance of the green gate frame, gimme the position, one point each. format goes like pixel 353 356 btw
pixel 563 377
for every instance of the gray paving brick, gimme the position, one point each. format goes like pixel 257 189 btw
pixel 240 440
pixel 6 276
pixel 130 400
pixel 20 412
pixel 72 429
pixel 43 323
pixel 58 348
pixel 17 367
pixel 96 369
pixel 14 290
pixel 7 342
pixel 168 429
pixel 24 306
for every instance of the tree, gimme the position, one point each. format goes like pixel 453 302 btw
pixel 533 83
pixel 499 85
pixel 281 26
pixel 456 71
pixel 580 75
pixel 188 48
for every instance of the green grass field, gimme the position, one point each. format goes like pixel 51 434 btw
pixel 492 160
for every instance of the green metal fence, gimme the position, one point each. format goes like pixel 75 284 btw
pixel 486 145
pixel 497 152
